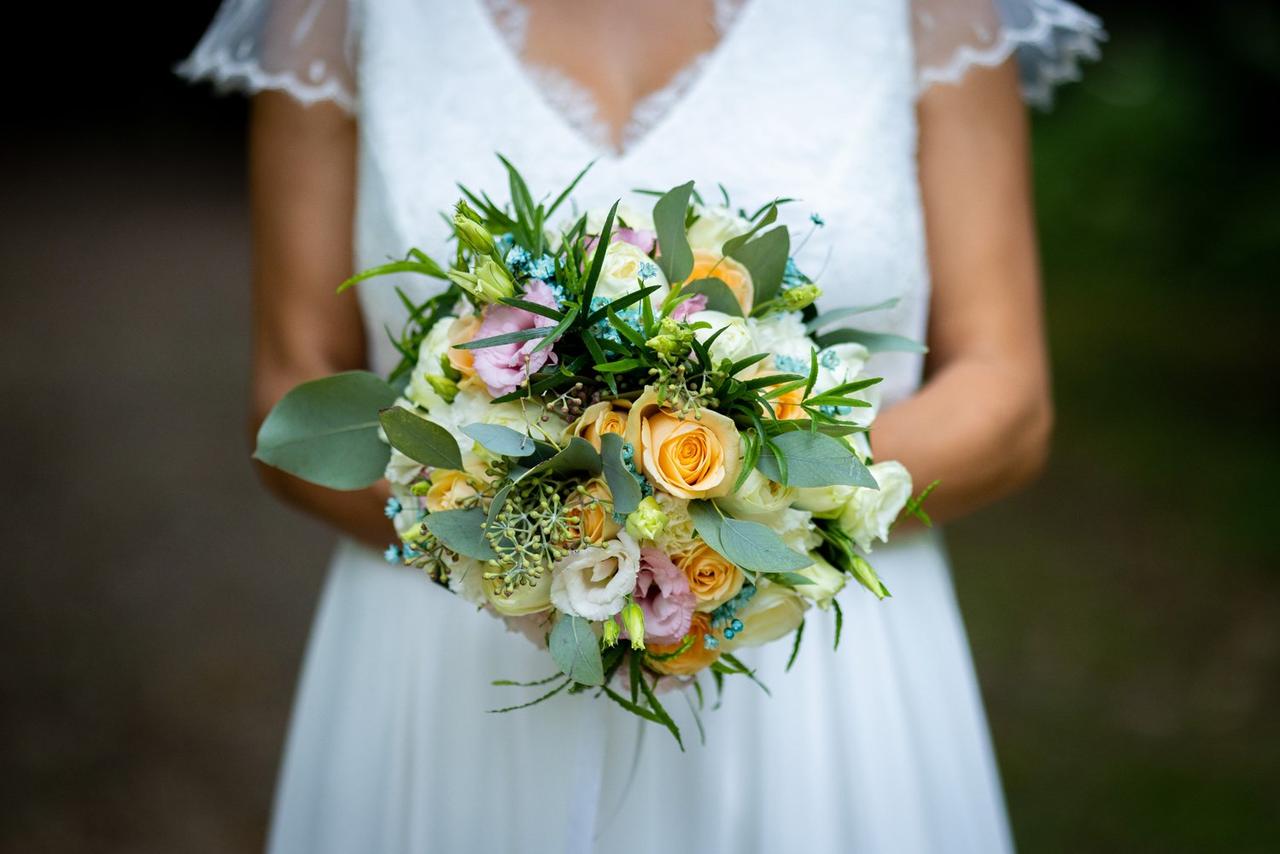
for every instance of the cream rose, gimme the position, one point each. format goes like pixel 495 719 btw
pixel 679 535
pixel 714 225
pixel 713 578
pixel 432 356
pixel 794 527
pixel 594 582
pixel 449 489
pixel 466 578
pixel 758 496
pixel 628 269
pixel 693 457
pixel 734 343
pixel 825 581
pixel 869 513
pixel 528 599
pixel 825 502
pixel 773 612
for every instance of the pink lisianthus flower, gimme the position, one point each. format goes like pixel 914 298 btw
pixel 505 367
pixel 642 238
pixel 663 594
pixel 693 304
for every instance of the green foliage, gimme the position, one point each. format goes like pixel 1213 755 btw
pixel 420 439
pixel 766 259
pixel 576 650
pixel 813 459
pixel 674 255
pixel 622 483
pixel 326 431
pixel 461 531
pixel 501 440
pixel 750 545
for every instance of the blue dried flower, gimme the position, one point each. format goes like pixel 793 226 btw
pixel 393 507
pixel 392 554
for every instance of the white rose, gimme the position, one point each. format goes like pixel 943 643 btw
pixel 870 512
pixel 758 496
pixel 594 582
pixel 733 344
pixel 794 527
pixel 431 354
pixel 825 582
pixel 402 469
pixel 783 336
pixel 628 269
pixel 714 226
pixel 528 599
pixel 825 502
pixel 774 611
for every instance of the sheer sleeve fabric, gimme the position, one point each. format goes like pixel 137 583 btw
pixel 1047 37
pixel 304 47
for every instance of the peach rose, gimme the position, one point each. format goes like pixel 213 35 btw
pixel 694 457
pixel 448 490
pixel 713 578
pixel 463 330
pixel 713 265
pixel 592 514
pixel 607 416
pixel 786 406
pixel 689 662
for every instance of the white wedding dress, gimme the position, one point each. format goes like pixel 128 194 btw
pixel 880 746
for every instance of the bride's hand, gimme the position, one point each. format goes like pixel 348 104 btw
pixel 302 163
pixel 981 422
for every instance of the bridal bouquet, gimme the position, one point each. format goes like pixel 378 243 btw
pixel 630 436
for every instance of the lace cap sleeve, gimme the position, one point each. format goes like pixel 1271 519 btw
pixel 1048 37
pixel 303 47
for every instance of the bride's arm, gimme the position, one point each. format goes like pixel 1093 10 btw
pixel 302 194
pixel 982 420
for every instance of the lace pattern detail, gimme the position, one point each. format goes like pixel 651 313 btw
pixel 303 47
pixel 1048 37
pixel 574 102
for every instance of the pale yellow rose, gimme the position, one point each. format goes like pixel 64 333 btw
pixel 693 457
pixel 449 488
pixel 773 612
pixel 713 578
pixel 607 416
pixel 713 265
pixel 526 599
pixel 696 657
pixel 591 515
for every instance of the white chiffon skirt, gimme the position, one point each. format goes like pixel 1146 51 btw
pixel 881 746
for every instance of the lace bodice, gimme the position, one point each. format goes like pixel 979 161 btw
pixel 815 103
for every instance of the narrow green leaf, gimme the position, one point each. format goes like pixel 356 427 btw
pixel 830 317
pixel 795 648
pixel 507 338
pixel 534 307
pixel 420 439
pixel 427 268
pixel 597 262
pixel 876 342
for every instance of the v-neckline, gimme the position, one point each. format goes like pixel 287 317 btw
pixel 588 128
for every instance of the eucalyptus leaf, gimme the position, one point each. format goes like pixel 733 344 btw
pixel 461 531
pixel 326 431
pixel 813 459
pixel 420 439
pixel 719 297
pixel 674 255
pixel 501 440
pixel 622 483
pixel 766 258
pixel 830 317
pixel 576 650
pixel 750 545
pixel 876 342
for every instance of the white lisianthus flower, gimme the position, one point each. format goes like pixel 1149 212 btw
pixel 870 512
pixel 794 527
pixel 594 583
pixel 528 599
pixel 679 535
pixel 733 344
pixel 431 356
pixel 825 582
pixel 628 269
pixel 773 612
pixel 633 216
pixel 783 336
pixel 402 469
pixel 466 578
pixel 759 496
pixel 714 226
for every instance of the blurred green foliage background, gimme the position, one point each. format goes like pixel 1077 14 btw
pixel 1124 613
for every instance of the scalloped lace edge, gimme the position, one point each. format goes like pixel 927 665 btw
pixel 1062 58
pixel 229 74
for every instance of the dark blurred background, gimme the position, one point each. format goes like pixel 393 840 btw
pixel 1124 613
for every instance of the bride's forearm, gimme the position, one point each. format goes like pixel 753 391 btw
pixel 979 429
pixel 358 514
